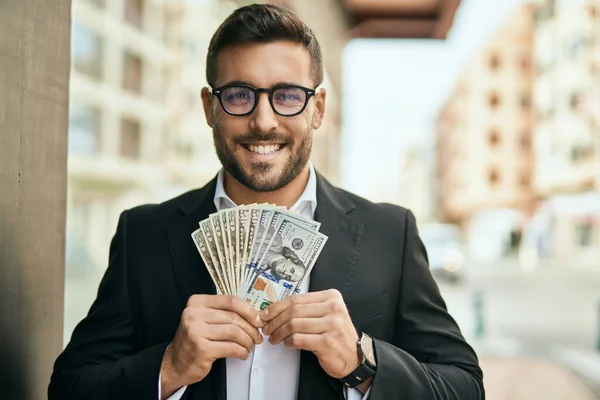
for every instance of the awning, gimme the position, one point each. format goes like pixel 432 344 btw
pixel 428 19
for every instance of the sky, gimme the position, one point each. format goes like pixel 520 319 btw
pixel 393 89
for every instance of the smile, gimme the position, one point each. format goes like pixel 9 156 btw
pixel 263 149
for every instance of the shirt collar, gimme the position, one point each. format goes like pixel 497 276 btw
pixel 308 197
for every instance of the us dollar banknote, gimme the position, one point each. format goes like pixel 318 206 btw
pixel 260 253
pixel 203 248
pixel 289 256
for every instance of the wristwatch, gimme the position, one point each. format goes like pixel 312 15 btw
pixel 368 365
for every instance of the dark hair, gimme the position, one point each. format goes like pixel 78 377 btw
pixel 263 23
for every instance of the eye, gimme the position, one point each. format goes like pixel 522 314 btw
pixel 237 95
pixel 289 96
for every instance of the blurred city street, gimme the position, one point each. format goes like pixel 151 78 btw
pixel 553 305
pixel 550 314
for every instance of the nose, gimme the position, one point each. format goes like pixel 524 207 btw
pixel 263 119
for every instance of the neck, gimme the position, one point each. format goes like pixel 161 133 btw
pixel 286 196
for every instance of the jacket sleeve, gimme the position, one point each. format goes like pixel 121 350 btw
pixel 429 358
pixel 102 360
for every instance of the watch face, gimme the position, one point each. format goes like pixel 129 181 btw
pixel 367 349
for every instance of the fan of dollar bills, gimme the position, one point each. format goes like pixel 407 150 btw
pixel 261 253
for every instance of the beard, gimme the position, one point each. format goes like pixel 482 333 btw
pixel 263 176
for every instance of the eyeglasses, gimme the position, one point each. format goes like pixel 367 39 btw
pixel 241 99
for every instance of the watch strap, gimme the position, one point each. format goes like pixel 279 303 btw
pixel 358 376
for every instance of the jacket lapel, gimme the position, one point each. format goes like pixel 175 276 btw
pixel 191 273
pixel 335 269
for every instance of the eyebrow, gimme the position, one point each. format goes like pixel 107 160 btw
pixel 284 83
pixel 238 82
pixel 276 85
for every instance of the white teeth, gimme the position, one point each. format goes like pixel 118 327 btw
pixel 269 149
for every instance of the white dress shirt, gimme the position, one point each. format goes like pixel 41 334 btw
pixel 271 371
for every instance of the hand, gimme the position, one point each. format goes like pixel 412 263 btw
pixel 211 327
pixel 317 322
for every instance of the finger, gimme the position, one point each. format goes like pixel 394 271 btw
pixel 219 349
pixel 299 325
pixel 229 333
pixel 222 317
pixel 305 341
pixel 236 305
pixel 295 311
pixel 306 298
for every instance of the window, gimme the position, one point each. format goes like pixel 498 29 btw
pixel 494 100
pixel 134 12
pixel 130 138
pixel 525 179
pixel 494 138
pixel 494 61
pixel 525 101
pixel 87 51
pixel 493 176
pixel 525 141
pixel 525 62
pixel 132 73
pixel 584 232
pixel 578 45
pixel 581 152
pixel 575 100
pixel 84 128
pixel 99 3
pixel 544 13
pixel 185 149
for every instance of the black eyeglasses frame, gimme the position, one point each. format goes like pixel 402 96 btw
pixel 217 92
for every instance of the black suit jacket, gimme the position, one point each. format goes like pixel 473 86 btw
pixel 373 257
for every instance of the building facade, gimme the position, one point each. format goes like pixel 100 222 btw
pixel 567 129
pixel 483 132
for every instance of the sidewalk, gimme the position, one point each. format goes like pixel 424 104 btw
pixel 530 379
pixel 514 369
pixel 584 363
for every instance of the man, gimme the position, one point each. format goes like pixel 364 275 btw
pixel 368 323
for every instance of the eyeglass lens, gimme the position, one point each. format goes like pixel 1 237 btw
pixel 240 100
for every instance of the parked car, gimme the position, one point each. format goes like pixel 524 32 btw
pixel 445 250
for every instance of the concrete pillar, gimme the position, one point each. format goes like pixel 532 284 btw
pixel 34 92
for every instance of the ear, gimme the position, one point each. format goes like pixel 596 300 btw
pixel 319 113
pixel 207 103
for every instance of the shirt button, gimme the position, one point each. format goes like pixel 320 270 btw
pixel 255 372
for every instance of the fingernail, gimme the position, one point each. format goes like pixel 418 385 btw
pixel 265 312
pixel 259 321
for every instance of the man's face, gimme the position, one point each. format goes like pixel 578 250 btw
pixel 262 150
pixel 287 270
